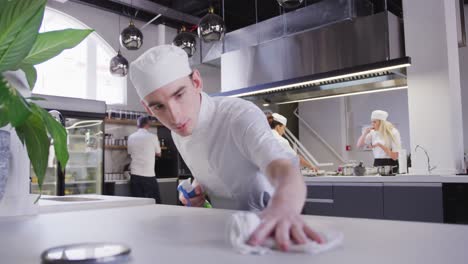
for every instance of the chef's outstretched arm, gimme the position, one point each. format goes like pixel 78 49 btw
pixel 304 163
pixel 362 139
pixel 282 217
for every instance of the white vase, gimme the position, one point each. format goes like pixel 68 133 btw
pixel 17 200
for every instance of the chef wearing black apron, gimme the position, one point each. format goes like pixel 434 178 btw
pixel 384 139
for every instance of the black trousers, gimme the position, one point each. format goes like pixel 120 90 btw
pixel 146 187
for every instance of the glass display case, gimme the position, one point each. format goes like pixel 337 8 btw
pixel 83 174
pixel 84 122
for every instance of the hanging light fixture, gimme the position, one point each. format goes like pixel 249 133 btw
pixel 186 41
pixel 211 27
pixel 289 4
pixel 118 65
pixel 131 37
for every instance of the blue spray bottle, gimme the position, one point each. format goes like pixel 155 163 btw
pixel 188 191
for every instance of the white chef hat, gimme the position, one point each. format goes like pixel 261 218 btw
pixel 279 118
pixel 157 67
pixel 379 115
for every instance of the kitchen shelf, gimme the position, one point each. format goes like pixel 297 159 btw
pixel 83 151
pixel 81 136
pixel 129 122
pixel 118 181
pixel 117 147
pixel 79 182
pixel 80 166
pixel 44 183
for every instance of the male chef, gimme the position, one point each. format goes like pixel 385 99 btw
pixel 227 144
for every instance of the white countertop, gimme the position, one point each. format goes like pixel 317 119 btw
pixel 174 234
pixel 95 202
pixel 383 179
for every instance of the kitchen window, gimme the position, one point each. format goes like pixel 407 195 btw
pixel 81 72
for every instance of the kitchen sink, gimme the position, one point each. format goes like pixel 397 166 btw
pixel 71 199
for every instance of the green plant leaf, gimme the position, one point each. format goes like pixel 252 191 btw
pixel 52 43
pixel 37 142
pixel 3 116
pixel 21 138
pixel 58 134
pixel 35 98
pixel 31 74
pixel 19 109
pixel 19 22
pixel 4 91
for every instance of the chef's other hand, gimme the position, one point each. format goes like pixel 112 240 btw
pixel 196 201
pixel 285 225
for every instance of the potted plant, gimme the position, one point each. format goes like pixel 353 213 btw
pixel 22 47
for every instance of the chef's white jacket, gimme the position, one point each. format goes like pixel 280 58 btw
pixel 284 142
pixel 142 147
pixel 228 152
pixel 374 137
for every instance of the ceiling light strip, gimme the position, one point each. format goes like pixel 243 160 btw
pixel 312 82
pixel 343 95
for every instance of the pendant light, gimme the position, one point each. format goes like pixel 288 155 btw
pixel 211 27
pixel 186 41
pixel 118 65
pixel 289 4
pixel 131 37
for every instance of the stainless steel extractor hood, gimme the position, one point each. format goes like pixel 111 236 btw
pixel 374 77
pixel 359 55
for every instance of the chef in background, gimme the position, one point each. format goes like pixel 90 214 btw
pixel 384 139
pixel 278 127
pixel 143 147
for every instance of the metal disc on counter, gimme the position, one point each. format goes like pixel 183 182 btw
pixel 290 3
pixel 88 253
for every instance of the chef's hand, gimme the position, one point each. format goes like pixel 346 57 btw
pixel 313 168
pixel 285 225
pixel 368 130
pixel 196 201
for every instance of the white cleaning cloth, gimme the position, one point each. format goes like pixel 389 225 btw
pixel 243 224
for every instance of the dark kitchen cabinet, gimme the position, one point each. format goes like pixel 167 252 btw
pixel 423 202
pixel 168 190
pixel 122 189
pixel 363 200
pixel 318 207
pixel 319 199
pixel 455 202
pixel 413 202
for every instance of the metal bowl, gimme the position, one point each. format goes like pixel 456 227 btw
pixel 386 170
